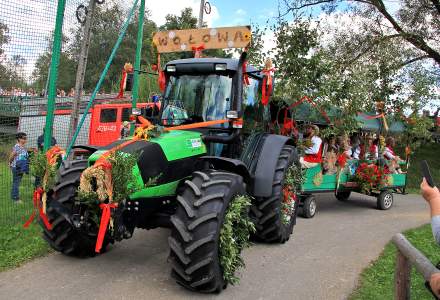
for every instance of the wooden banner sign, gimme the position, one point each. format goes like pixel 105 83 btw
pixel 205 38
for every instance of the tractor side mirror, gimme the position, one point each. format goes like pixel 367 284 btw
pixel 129 82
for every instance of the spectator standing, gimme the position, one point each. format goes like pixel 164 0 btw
pixel 125 131
pixel 40 141
pixel 19 163
pixel 432 196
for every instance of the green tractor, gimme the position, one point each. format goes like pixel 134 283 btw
pixel 199 173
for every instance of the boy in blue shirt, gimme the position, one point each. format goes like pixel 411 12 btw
pixel 19 163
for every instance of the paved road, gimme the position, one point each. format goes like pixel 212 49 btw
pixel 321 261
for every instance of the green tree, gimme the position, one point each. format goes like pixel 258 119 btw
pixel 417 23
pixel 66 71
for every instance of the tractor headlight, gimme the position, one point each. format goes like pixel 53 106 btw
pixel 232 114
pixel 171 68
pixel 220 67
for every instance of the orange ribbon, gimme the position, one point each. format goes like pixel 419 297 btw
pixel 267 87
pixel 305 98
pixel 198 125
pixel 245 75
pixel 105 219
pixel 36 199
pixel 161 80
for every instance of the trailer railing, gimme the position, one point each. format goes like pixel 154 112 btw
pixel 408 256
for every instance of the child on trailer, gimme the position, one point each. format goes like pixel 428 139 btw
pixel 313 150
pixel 389 155
pixel 373 149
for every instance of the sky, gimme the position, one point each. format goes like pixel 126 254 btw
pixel 224 12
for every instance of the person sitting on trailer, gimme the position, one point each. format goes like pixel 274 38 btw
pixel 344 146
pixel 355 147
pixel 389 155
pixel 373 151
pixel 313 152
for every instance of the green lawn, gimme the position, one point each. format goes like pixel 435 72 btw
pixel 18 245
pixel 377 281
pixel 430 152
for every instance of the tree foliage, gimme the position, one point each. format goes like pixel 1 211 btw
pixel 416 22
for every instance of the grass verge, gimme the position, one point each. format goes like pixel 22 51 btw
pixel 377 280
pixel 430 153
pixel 18 245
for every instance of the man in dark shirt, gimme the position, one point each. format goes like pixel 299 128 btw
pixel 40 141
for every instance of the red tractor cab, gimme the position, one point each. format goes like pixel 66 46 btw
pixel 107 120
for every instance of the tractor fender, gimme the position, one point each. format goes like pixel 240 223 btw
pixel 267 151
pixel 229 164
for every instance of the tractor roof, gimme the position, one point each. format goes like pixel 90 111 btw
pixel 207 65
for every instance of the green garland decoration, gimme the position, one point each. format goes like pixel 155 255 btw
pixel 234 237
pixel 124 183
pixel 38 167
pixel 294 179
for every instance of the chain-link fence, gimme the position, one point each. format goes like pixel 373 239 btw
pixel 26 40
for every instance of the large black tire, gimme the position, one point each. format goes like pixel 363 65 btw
pixel 385 200
pixel 266 211
pixel 343 196
pixel 64 237
pixel 194 239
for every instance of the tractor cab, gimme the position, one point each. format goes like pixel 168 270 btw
pixel 205 90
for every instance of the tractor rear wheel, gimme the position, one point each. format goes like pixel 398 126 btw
pixel 267 212
pixel 64 237
pixel 194 240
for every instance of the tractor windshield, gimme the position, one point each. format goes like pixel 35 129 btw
pixel 196 98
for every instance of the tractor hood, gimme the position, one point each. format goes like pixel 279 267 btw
pixel 167 158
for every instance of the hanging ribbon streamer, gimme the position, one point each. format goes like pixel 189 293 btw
pixel 161 80
pixel 105 220
pixel 38 193
pixel 305 98
pixel 245 75
pixel 342 161
pixel 267 88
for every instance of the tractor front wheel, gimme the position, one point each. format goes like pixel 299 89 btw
pixel 64 237
pixel 194 240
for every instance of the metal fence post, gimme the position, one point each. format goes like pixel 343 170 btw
pixel 402 277
pixel 137 63
pixel 81 71
pixel 102 77
pixel 55 61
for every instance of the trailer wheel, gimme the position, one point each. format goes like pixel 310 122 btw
pixel 309 207
pixel 343 196
pixel 385 200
